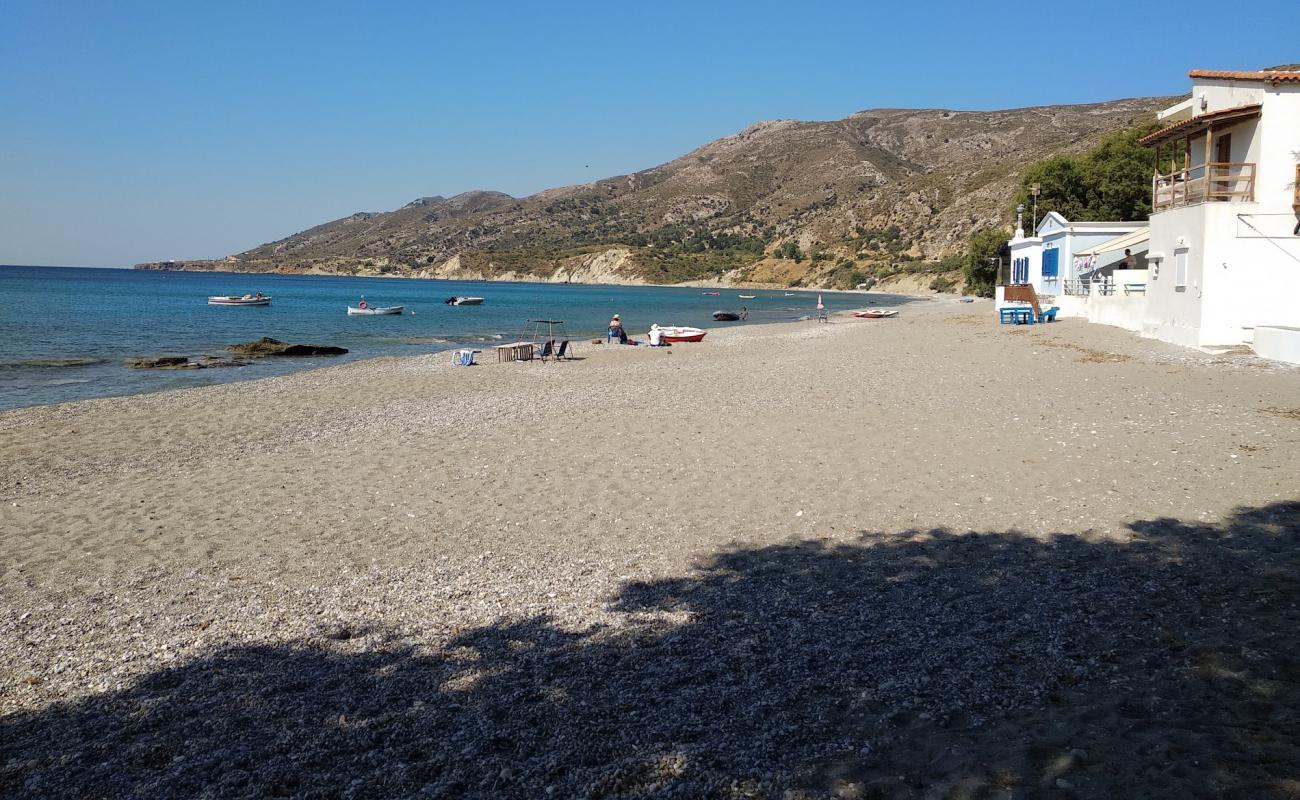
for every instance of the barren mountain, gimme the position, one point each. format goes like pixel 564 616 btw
pixel 811 203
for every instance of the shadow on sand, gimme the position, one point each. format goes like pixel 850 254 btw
pixel 931 664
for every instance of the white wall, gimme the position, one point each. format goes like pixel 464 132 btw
pixel 1173 313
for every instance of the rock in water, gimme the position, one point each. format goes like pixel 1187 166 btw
pixel 267 346
pixel 160 362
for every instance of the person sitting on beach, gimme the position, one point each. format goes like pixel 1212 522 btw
pixel 616 330
pixel 656 336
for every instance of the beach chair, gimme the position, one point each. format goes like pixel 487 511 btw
pixel 1048 314
pixel 547 351
pixel 464 358
pixel 563 351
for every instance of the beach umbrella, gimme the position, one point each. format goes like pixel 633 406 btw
pixel 819 302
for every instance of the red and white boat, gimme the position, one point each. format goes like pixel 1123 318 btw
pixel 875 313
pixel 674 334
pixel 258 299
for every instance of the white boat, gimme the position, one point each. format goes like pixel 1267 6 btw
pixel 876 313
pixel 464 301
pixel 353 311
pixel 677 333
pixel 258 299
pixel 746 296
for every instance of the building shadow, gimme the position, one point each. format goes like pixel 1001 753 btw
pixel 918 665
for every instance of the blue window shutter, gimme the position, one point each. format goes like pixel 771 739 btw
pixel 1050 263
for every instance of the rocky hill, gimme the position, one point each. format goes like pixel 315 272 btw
pixel 880 193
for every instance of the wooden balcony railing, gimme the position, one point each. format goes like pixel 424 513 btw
pixel 1228 180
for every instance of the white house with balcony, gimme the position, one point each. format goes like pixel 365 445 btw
pixel 1224 250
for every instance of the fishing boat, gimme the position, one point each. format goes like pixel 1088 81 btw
pixel 725 316
pixel 367 311
pixel 746 296
pixel 675 333
pixel 464 301
pixel 258 299
pixel 875 313
pixel 711 294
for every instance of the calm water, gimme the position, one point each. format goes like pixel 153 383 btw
pixel 64 332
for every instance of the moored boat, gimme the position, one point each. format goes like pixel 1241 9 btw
pixel 366 311
pixel 464 301
pixel 258 299
pixel 875 313
pixel 746 296
pixel 712 294
pixel 676 333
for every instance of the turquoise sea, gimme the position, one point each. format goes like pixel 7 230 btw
pixel 65 332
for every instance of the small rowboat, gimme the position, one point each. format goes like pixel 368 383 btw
pixel 725 316
pixel 675 334
pixel 746 296
pixel 464 301
pixel 711 294
pixel 875 313
pixel 372 312
pixel 235 300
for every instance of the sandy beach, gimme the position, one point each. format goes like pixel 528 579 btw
pixel 921 557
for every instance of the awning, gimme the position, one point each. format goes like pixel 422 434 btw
pixel 1111 251
pixel 1195 125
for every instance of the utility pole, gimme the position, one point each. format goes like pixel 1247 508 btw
pixel 1033 192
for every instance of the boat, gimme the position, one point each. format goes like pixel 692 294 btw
pixel 875 313
pixel 711 294
pixel 725 316
pixel 746 296
pixel 464 301
pixel 790 294
pixel 675 333
pixel 367 311
pixel 258 299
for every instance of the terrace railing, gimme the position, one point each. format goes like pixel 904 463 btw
pixel 1219 181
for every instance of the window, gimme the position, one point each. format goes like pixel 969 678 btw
pixel 1050 260
pixel 1180 268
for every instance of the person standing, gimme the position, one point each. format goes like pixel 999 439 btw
pixel 1130 260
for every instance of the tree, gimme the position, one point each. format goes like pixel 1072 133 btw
pixel 1112 181
pixel 980 265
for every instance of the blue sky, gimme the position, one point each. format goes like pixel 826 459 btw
pixel 141 131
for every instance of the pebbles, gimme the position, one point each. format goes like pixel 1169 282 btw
pixel 517 598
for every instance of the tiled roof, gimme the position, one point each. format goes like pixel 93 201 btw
pixel 1269 75
pixel 1240 112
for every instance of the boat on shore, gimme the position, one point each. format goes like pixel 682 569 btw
pixel 366 311
pixel 875 313
pixel 674 334
pixel 464 301
pixel 258 299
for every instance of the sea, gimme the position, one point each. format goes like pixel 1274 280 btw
pixel 66 332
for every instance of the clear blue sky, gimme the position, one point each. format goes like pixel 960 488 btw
pixel 140 131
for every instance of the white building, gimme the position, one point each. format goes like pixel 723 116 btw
pixel 1225 226
pixel 1046 260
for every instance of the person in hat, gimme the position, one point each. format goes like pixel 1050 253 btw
pixel 616 330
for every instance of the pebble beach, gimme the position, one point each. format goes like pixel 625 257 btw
pixel 919 557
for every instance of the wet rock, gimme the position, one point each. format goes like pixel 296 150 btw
pixel 267 346
pixel 184 362
pixel 159 362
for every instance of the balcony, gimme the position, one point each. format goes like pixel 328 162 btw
pixel 1226 181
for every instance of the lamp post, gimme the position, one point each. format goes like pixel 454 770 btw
pixel 1033 192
